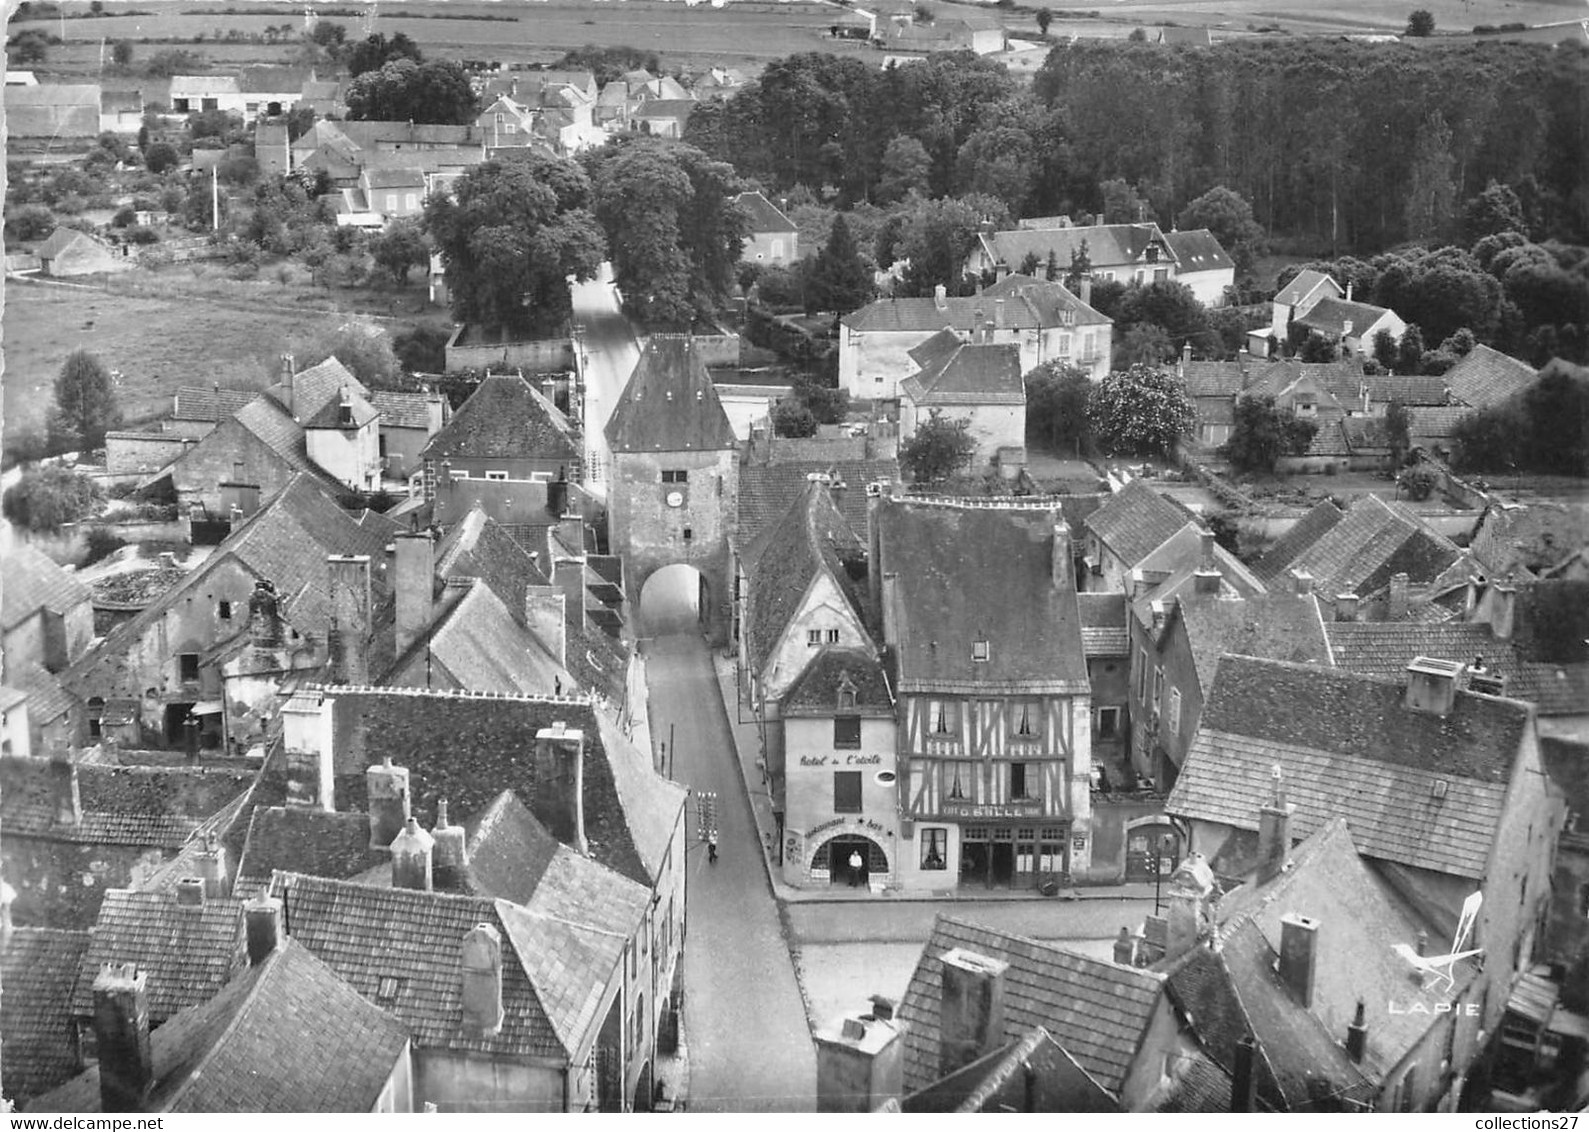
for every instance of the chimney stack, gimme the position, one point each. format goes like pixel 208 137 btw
pixel 1302 582
pixel 1357 1035
pixel 1125 950
pixel 1432 685
pixel 190 893
pixel 571 531
pixel 860 1061
pixel 289 380
pixel 481 990
pixel 1503 609
pixel 264 616
pixel 414 586
pixel 998 314
pixel 212 870
pixel 450 856
pixel 1274 832
pixel 121 1034
pixel 1186 355
pixel 940 297
pixel 68 796
pixel 1299 937
pixel 262 926
pixel 1206 579
pixel 386 788
pixel 1396 606
pixel 411 857
pixel 1243 1077
pixel 1085 284
pixel 560 784
pixel 568 574
pixel 1062 562
pixel 544 616
pixel 1346 607
pixel 306 739
pixel 350 617
pixel 971 1018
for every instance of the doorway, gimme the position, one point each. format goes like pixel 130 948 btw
pixel 850 856
pixel 675 599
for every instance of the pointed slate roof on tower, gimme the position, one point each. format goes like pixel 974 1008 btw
pixel 670 404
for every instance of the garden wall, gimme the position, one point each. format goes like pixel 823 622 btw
pixel 470 348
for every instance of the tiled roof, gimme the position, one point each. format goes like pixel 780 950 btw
pixel 404 410
pixel 978 1087
pixel 768 490
pixel 508 850
pixel 1029 305
pixel 1487 377
pixel 477 645
pixel 1302 535
pixel 1347 745
pixel 1198 1084
pixel 764 216
pixel 505 417
pixel 811 539
pixel 1360 921
pixel 33 582
pixel 1305 282
pixel 301 839
pixel 269 423
pixel 359 412
pixel 1409 390
pixel 188 951
pixel 1097 1011
pixel 468 749
pixel 965 374
pixel 816 690
pixel 1198 249
pixel 1341 379
pixel 1103 624
pixel 399 177
pixel 271 80
pixel 971 574
pixel 1216 378
pixel 1383 649
pixel 669 403
pixel 1535 537
pixel 1108 245
pixel 286 1035
pixel 1033 302
pixel 1435 425
pixel 197 403
pixel 1372 541
pixel 1136 521
pixel 1176 562
pixel 1332 316
pixel 477 546
pixel 411 941
pixel 1272 626
pixel 38 1040
pixel 313 387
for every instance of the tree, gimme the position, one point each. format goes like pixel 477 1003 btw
pixel 1056 406
pixel 435 93
pixel 1032 264
pixel 937 236
pixel 1080 266
pixel 363 347
pixel 375 51
pixel 906 169
pixel 1044 18
pixel 1431 182
pixel 999 161
pixel 1420 24
pixel 1051 266
pixel 31 222
pixel 1492 212
pixel 938 449
pixel 1165 304
pixel 839 279
pixel 401 248
pixel 29 47
pixel 1123 204
pixel 792 418
pixel 121 53
pixel 85 403
pixel 1145 343
pixel 1261 433
pixel 1495 439
pixel 608 63
pixel 1386 351
pixel 1317 348
pixel 160 157
pixel 1398 431
pixel 1557 406
pixel 1139 411
pixel 47 498
pixel 1226 214
pixel 1409 352
pixel 511 234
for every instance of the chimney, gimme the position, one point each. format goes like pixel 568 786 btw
pixel 1243 1077
pixel 1348 290
pixel 971 1011
pixel 571 531
pixel 481 990
pixel 68 797
pixel 560 784
pixel 411 857
pixel 212 870
pixel 386 788
pixel 1274 832
pixel 450 857
pixel 306 739
pixel 1085 295
pixel 569 576
pixel 435 412
pixel 264 616
pixel 1503 609
pixel 940 297
pixel 350 617
pixel 289 380
pixel 1432 685
pixel 262 927
pixel 1357 1035
pixel 121 1034
pixel 1302 582
pixel 1125 952
pixel 1299 938
pixel 1207 578
pixel 1346 607
pixel 1186 355
pixel 1187 909
pixel 544 613
pixel 836 491
pixel 860 1061
pixel 414 585
pixel 1161 614
pixel 998 314
pixel 1396 605
pixel 190 893
pixel 1061 558
pixel 1346 328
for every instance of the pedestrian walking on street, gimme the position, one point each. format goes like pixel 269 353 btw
pixel 855 868
pixel 711 848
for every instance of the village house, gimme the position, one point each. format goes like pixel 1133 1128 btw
pixel 38 967
pixel 121 112
pixel 1292 301
pixel 1545 539
pixel 915 30
pixel 52 115
pixel 1131 524
pixel 342 439
pixel 345 149
pixel 978 382
pixel 47 622
pixel 506 123
pixel 285 1009
pixel 1426 773
pixel 1046 320
pixel 978 604
pixel 407 423
pixel 1126 253
pixel 69 252
pixel 254 92
pixel 1485 377
pixel 1106 642
pixel 1353 326
pixel 773 237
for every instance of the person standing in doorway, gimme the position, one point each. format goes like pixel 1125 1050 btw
pixel 855 868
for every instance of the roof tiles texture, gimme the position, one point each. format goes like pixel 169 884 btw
pixel 38 1040
pixel 670 403
pixel 505 418
pixel 1487 377
pixel 1136 521
pixel 768 491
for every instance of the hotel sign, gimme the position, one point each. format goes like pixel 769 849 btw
pixel 979 812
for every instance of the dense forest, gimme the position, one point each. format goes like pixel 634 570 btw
pixel 1341 147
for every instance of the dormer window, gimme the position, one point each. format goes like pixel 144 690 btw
pixel 979 652
pixel 846 692
pixel 1307 409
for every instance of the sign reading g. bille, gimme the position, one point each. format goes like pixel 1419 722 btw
pixel 1001 810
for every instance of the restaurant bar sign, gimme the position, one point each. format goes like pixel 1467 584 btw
pixel 982 812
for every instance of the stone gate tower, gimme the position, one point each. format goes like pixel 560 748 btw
pixel 674 488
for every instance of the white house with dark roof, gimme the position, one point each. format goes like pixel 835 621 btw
pixel 1133 523
pixel 979 382
pixel 1044 319
pixel 1353 325
pixel 1126 253
pixel 773 237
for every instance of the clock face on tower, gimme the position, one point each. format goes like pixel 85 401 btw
pixel 675 499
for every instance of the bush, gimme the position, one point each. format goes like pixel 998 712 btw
pixel 102 543
pixel 31 222
pixel 45 499
pixel 142 234
pixel 1419 481
pixel 422 349
pixel 160 157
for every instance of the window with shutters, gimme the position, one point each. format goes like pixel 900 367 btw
pixel 847 792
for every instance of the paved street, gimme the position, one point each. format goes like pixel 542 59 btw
pixel 610 356
pixel 744 1019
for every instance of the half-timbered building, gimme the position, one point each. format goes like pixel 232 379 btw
pixel 994 760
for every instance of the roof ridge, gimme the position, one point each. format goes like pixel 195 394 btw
pixel 571 698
